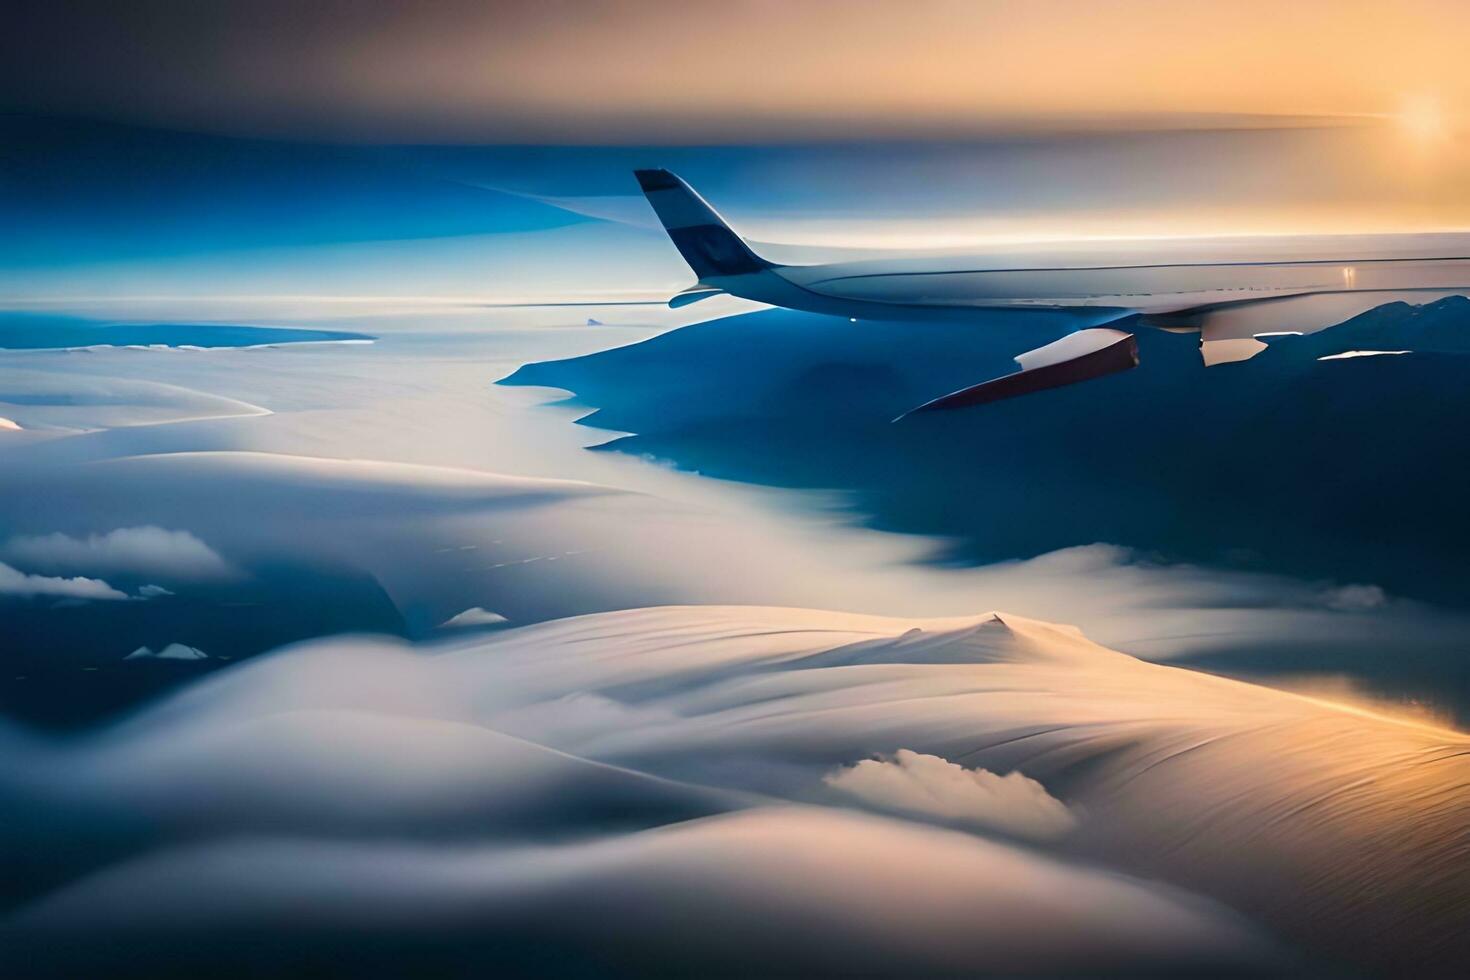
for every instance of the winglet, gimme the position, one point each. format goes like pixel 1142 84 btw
pixel 698 232
pixel 694 294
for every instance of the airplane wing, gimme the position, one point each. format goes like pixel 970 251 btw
pixel 1229 331
pixel 1227 291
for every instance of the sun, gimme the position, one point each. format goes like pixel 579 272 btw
pixel 1421 118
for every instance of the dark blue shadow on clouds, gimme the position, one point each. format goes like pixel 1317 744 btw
pixel 1347 470
pixel 65 662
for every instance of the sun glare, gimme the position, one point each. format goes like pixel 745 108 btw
pixel 1422 119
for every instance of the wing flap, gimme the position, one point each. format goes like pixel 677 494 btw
pixel 1229 331
pixel 1081 356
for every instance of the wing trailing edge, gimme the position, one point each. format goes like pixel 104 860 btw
pixel 1077 357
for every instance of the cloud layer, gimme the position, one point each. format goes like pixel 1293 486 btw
pixel 647 788
pixel 776 891
pixel 356 788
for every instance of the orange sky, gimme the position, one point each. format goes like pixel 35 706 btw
pixel 580 70
pixel 1393 72
pixel 955 62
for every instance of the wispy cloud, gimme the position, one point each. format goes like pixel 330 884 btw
pixel 18 583
pixel 154 552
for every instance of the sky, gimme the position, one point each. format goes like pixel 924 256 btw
pixel 97 210
pixel 1014 122
pixel 625 71
pixel 482 151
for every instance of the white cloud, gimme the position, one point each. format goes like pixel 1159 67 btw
pixel 786 891
pixel 927 785
pixel 17 583
pixel 474 616
pixel 8 424
pixel 153 592
pixel 148 550
pixel 174 651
